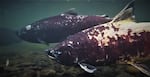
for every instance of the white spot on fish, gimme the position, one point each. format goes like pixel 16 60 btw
pixel 104 15
pixel 108 18
pixel 106 56
pixel 66 17
pixel 63 44
pixel 70 21
pixel 69 45
pixel 78 43
pixel 70 17
pixel 131 40
pixel 73 23
pixel 59 53
pixel 28 27
pixel 78 20
pixel 62 14
pixel 38 27
pixel 81 17
pixel 70 42
pixel 66 24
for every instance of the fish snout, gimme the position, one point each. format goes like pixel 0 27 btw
pixel 53 54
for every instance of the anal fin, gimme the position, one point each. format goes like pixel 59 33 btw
pixel 88 68
pixel 144 69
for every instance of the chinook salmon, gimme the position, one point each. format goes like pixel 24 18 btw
pixel 57 28
pixel 121 40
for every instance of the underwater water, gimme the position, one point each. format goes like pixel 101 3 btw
pixel 20 58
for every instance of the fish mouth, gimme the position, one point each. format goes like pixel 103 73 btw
pixel 51 57
pixel 50 54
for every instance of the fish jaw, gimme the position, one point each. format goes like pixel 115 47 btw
pixel 60 56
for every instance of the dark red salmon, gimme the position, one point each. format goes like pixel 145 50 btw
pixel 57 28
pixel 121 40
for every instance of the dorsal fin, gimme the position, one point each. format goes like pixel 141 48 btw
pixel 71 12
pixel 126 13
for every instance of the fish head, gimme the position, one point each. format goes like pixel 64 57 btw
pixel 31 33
pixel 40 31
pixel 27 33
pixel 72 50
pixel 61 54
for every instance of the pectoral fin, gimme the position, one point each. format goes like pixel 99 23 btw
pixel 144 69
pixel 88 68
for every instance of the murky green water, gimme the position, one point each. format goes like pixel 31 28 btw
pixel 25 57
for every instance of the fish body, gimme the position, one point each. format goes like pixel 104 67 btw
pixel 57 28
pixel 103 44
pixel 121 40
